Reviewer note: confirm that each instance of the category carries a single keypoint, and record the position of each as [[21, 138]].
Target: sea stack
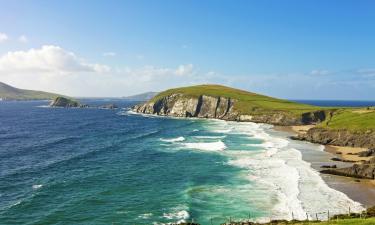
[[64, 102]]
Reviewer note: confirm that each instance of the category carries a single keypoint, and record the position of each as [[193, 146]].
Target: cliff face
[[181, 106], [204, 106], [340, 137]]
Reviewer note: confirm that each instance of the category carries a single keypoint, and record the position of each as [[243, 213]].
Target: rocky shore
[[179, 105], [339, 137], [204, 106], [63, 102]]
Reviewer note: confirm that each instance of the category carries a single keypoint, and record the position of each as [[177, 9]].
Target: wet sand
[[360, 190]]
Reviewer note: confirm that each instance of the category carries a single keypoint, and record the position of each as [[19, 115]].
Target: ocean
[[97, 166]]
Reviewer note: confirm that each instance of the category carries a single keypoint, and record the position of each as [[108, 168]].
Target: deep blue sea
[[97, 166]]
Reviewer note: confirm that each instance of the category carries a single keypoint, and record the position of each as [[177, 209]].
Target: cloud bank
[[53, 68], [48, 58]]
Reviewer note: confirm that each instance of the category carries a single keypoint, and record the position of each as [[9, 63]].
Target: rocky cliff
[[204, 106], [342, 137]]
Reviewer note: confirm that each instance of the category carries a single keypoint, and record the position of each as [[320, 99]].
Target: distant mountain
[[8, 92], [142, 97]]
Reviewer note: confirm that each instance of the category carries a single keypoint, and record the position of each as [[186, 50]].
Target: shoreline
[[360, 190]]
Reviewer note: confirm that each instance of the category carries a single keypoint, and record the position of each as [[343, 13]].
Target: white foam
[[171, 140], [292, 185], [210, 137], [145, 215], [183, 214], [37, 186], [206, 146]]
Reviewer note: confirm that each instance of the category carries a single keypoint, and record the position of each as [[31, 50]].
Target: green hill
[[247, 102], [8, 92], [221, 102], [209, 101]]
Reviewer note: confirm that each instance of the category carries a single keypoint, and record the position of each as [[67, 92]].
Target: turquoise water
[[94, 166]]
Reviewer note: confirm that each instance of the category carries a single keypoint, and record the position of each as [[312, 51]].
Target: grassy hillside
[[142, 97], [355, 119], [8, 92], [248, 102]]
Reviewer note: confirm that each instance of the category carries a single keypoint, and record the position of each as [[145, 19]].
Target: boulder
[[109, 106]]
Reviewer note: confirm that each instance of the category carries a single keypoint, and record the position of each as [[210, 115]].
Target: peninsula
[[8, 92], [351, 127]]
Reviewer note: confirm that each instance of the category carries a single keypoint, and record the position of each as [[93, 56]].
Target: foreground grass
[[369, 221], [354, 221]]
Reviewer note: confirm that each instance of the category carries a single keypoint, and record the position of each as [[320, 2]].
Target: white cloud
[[184, 69], [3, 37], [109, 54], [23, 39], [319, 72], [48, 58]]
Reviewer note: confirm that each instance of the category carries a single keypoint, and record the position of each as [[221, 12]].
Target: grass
[[247, 102], [369, 221], [353, 221], [353, 119], [8, 92]]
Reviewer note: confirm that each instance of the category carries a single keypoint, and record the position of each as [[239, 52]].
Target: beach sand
[[343, 152], [361, 190]]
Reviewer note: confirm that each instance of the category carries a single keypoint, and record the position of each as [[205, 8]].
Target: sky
[[289, 49]]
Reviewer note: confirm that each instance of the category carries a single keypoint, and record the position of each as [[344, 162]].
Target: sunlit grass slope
[[247, 102]]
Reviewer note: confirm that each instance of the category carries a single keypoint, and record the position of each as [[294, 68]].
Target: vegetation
[[351, 221], [354, 119], [360, 120], [8, 92], [247, 102]]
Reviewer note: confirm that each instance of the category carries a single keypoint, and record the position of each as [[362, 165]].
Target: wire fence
[[313, 217]]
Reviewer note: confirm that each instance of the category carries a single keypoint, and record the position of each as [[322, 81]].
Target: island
[[348, 127], [65, 102]]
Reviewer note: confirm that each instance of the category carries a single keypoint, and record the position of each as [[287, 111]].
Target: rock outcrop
[[109, 106], [179, 105], [365, 170], [65, 102], [182, 106], [339, 137]]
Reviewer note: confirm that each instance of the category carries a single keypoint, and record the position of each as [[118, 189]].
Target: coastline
[[360, 190]]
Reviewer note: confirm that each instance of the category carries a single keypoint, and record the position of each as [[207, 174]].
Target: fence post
[[316, 216], [292, 216], [211, 221], [328, 215], [307, 216], [349, 210]]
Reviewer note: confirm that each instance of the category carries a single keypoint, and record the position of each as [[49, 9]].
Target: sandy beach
[[361, 190], [343, 152]]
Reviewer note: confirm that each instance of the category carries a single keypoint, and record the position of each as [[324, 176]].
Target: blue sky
[[288, 49]]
